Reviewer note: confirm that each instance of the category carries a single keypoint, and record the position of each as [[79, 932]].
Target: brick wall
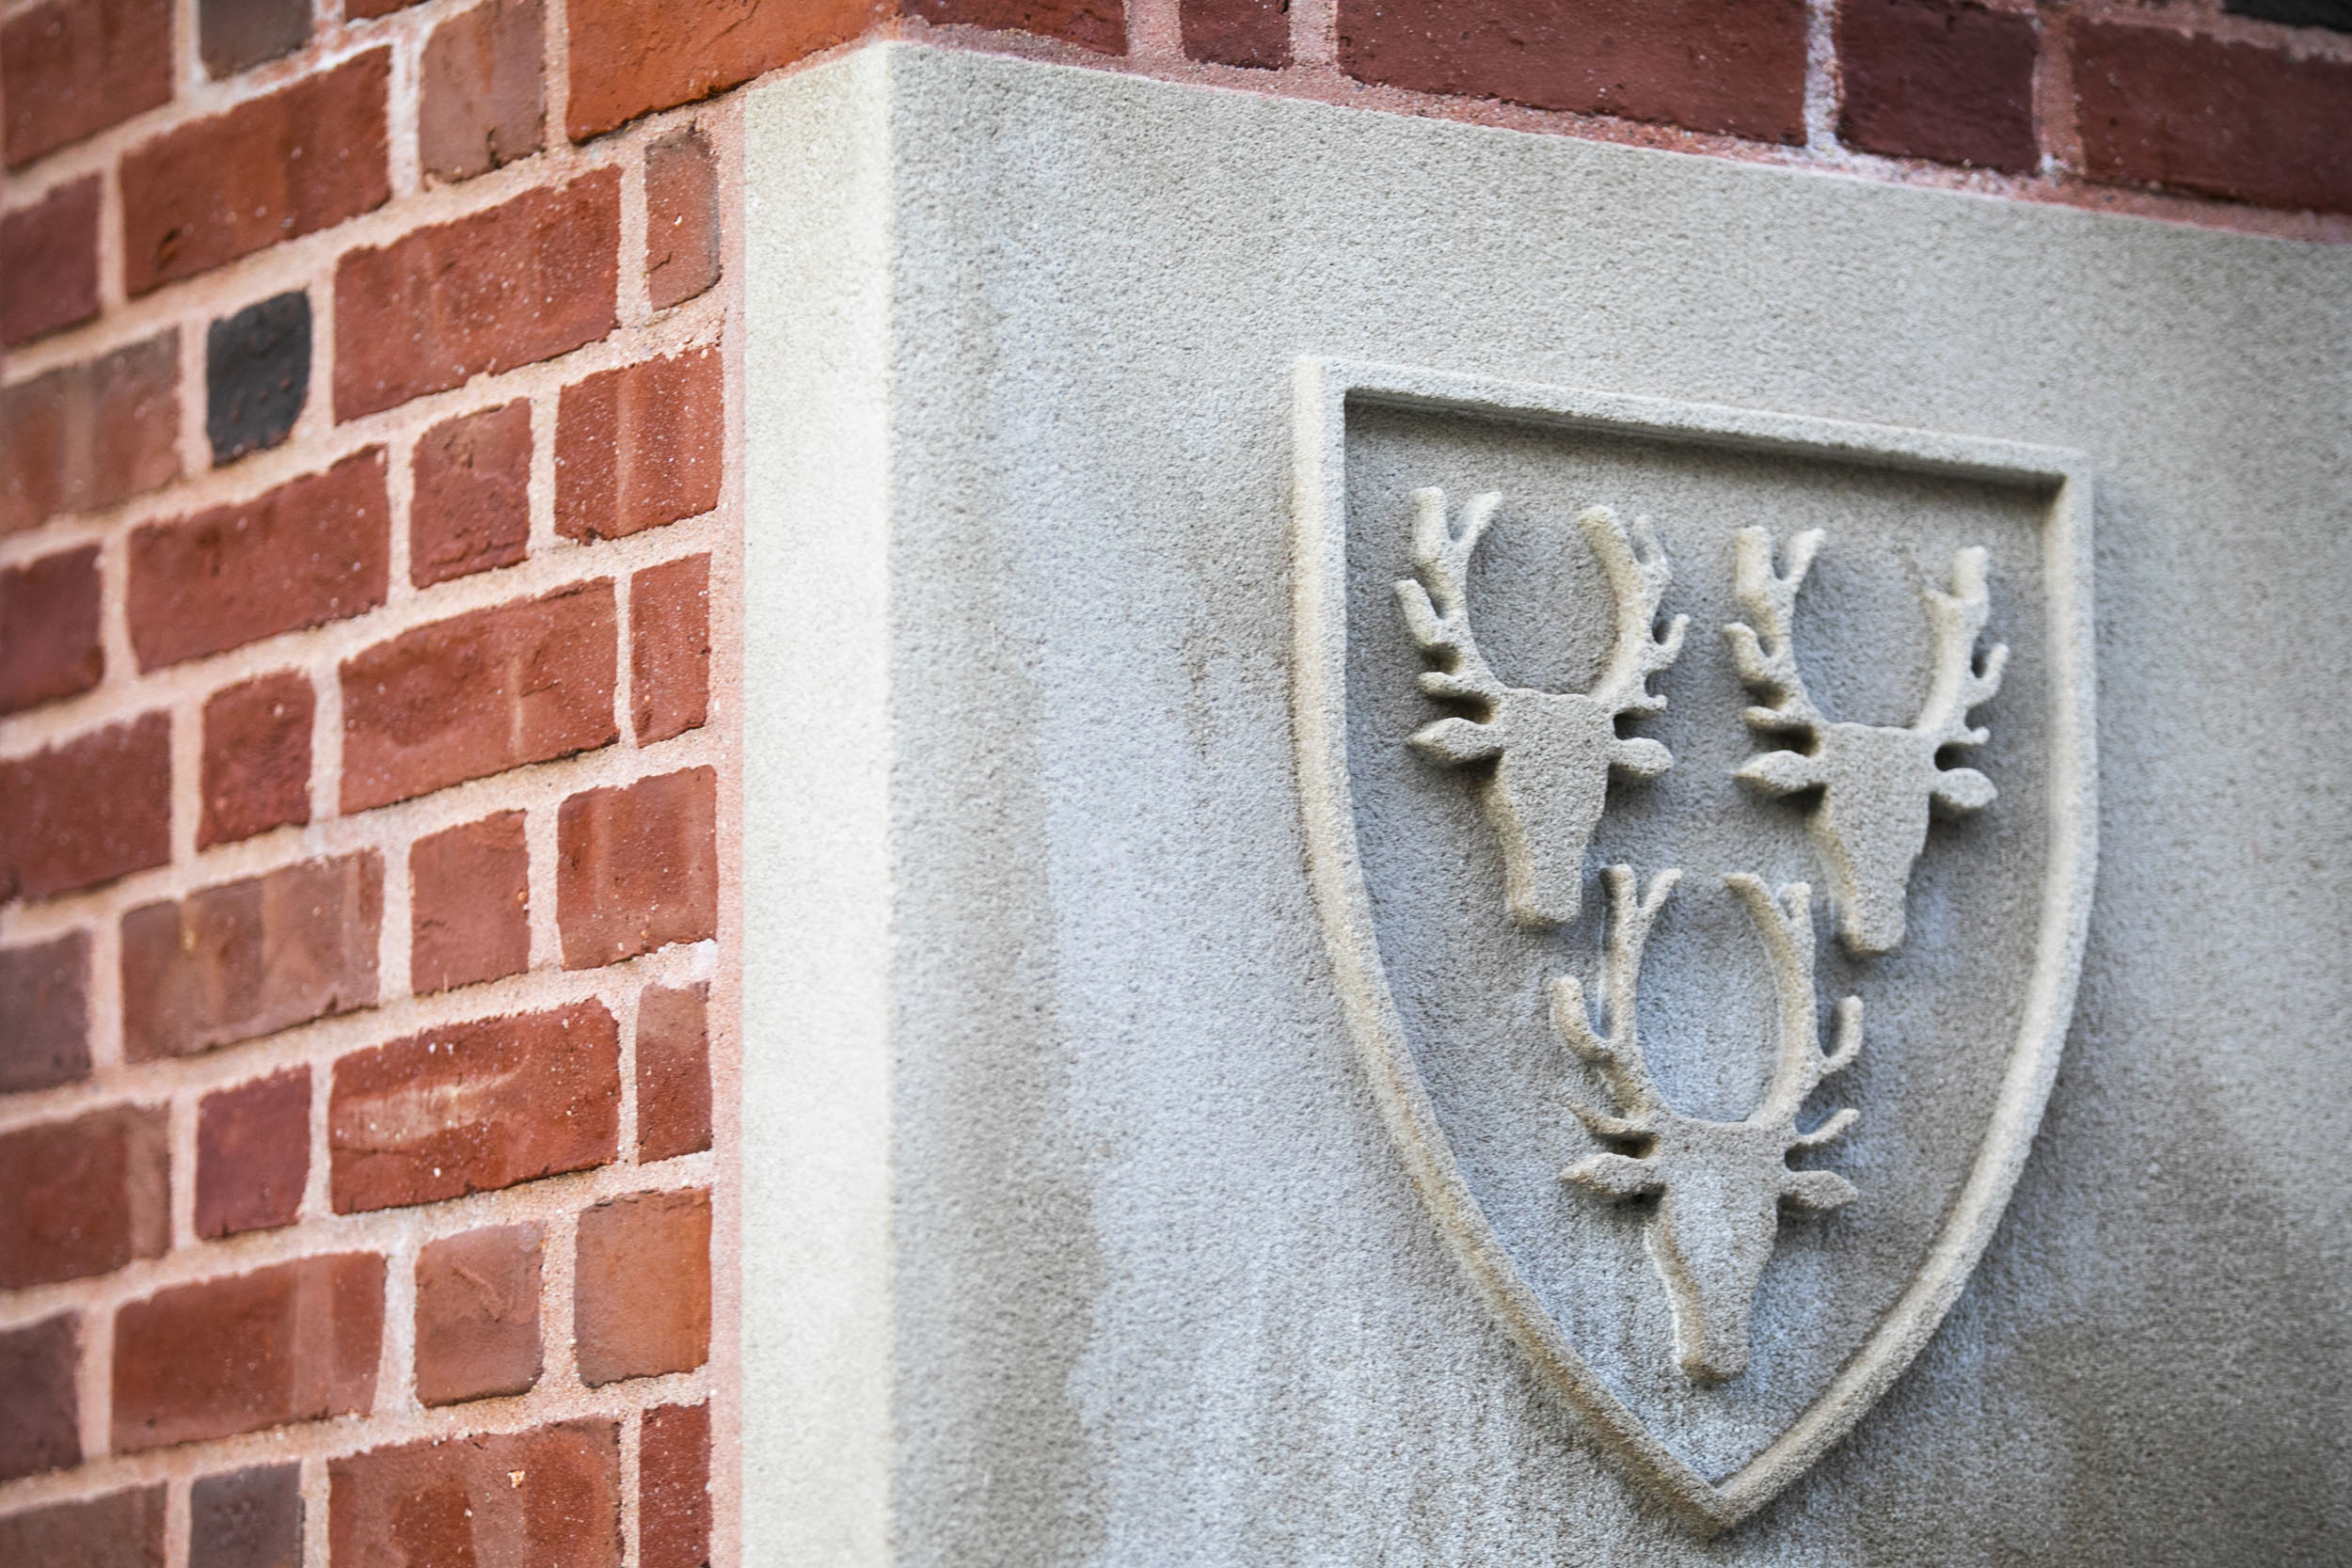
[[367, 550]]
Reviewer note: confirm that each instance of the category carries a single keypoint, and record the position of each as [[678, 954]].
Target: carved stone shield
[[1700, 804]]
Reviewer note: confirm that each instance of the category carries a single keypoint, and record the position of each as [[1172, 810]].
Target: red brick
[[1941, 79], [2240, 120], [672, 1071], [253, 1154], [87, 810], [469, 904], [641, 446], [44, 995], [88, 436], [49, 645], [478, 1315], [40, 1424], [257, 757], [629, 57], [121, 1530], [478, 694], [682, 218], [472, 505], [509, 286], [641, 1287], [295, 1342], [1238, 32], [525, 1499], [474, 1107], [49, 263], [75, 67], [85, 1197], [1097, 25], [237, 35], [674, 1487], [252, 957], [357, 9], [483, 100], [1733, 66], [250, 1518], [637, 867], [315, 550], [276, 167], [669, 621]]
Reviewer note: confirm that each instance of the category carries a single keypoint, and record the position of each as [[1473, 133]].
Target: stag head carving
[[1552, 751], [1876, 781], [1718, 1184]]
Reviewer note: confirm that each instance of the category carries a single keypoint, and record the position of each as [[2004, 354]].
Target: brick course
[[85, 1197], [49, 645], [515, 1500], [40, 1422], [469, 904], [672, 1071], [674, 1487], [253, 1154], [641, 1287], [682, 218], [248, 1518], [90, 435], [74, 67], [478, 1315], [637, 867], [44, 995], [87, 810], [1940, 79], [1253, 33], [641, 446], [123, 1530], [49, 263], [483, 102], [669, 622], [472, 490], [257, 757]]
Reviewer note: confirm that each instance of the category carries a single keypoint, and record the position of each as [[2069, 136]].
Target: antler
[[1618, 1054], [1638, 577], [1770, 598], [1787, 928], [1438, 615], [1960, 683]]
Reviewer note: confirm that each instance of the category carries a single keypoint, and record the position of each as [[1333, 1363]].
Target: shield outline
[[1322, 388]]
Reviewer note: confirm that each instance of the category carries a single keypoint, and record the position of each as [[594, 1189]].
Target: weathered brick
[[471, 509], [295, 1342], [234, 35], [49, 263], [641, 446], [251, 956], [672, 1071], [1941, 79], [75, 67], [1238, 32], [49, 645], [257, 373], [674, 1487], [250, 1518], [40, 1424], [476, 1106], [482, 101], [276, 167], [253, 1154], [87, 810], [641, 1287], [44, 995], [124, 1530], [257, 757], [469, 904], [87, 436], [315, 550], [669, 630], [358, 9], [2241, 121], [526, 1499], [478, 694], [682, 218], [2335, 14], [637, 867], [1732, 66], [85, 1197], [629, 57], [478, 1315], [520, 284], [1097, 25]]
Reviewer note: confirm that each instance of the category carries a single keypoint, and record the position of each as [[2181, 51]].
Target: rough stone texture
[[669, 629], [515, 1500], [49, 263], [471, 505], [478, 693], [49, 644], [682, 218], [44, 995], [672, 1071], [674, 1487], [641, 446], [484, 105], [1254, 33], [469, 904], [641, 1287], [637, 867], [257, 757], [90, 435], [478, 1315], [85, 1197], [247, 1519], [123, 1530], [316, 548], [257, 371], [475, 1106], [87, 810], [40, 1424], [251, 956], [74, 67], [295, 1342], [232, 34], [1940, 79], [253, 1154]]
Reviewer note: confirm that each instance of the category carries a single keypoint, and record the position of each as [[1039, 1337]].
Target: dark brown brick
[[257, 757], [257, 375], [40, 1423], [75, 67], [674, 1487], [512, 286], [234, 35], [1238, 32], [252, 957], [629, 57], [472, 505], [44, 995], [637, 867], [669, 631], [85, 1197], [641, 1287], [482, 101], [478, 1315], [469, 904], [253, 1154], [478, 694], [525, 1499], [49, 645], [682, 218], [641, 446], [295, 1342], [248, 1518], [87, 810], [1097, 25], [474, 1107], [672, 1071], [49, 263], [124, 1530], [1939, 79], [91, 434]]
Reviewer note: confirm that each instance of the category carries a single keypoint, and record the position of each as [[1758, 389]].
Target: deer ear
[[1818, 1189], [1962, 790], [1779, 772], [1640, 758], [1457, 741], [1614, 1175]]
